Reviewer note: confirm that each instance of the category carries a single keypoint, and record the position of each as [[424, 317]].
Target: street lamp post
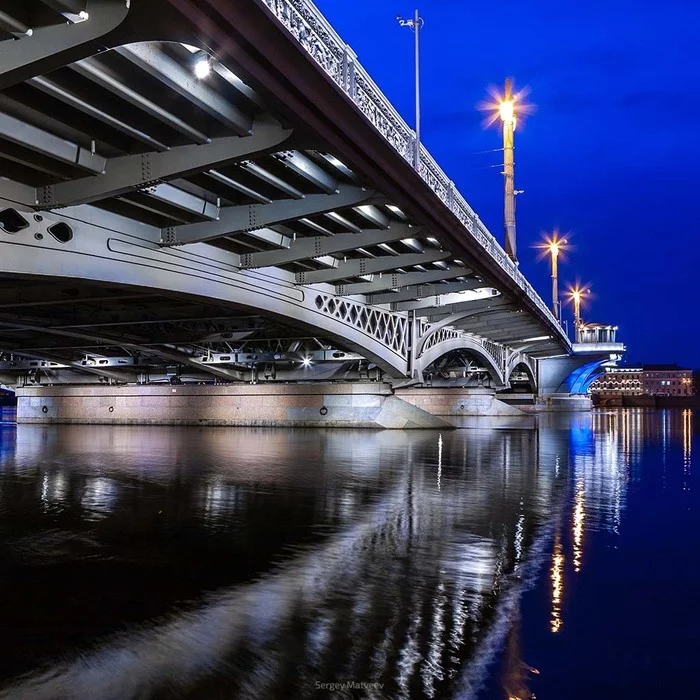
[[507, 113], [553, 247], [576, 294], [416, 25]]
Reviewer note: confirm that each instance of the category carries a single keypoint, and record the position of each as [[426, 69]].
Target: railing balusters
[[314, 33]]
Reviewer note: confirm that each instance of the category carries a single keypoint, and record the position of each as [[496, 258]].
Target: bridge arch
[[471, 344], [579, 381], [100, 252], [526, 364]]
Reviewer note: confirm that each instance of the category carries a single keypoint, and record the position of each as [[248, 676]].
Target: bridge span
[[225, 195]]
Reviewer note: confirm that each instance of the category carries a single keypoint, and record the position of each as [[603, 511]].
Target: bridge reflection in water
[[145, 562]]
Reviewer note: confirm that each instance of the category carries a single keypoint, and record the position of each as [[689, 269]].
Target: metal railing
[[311, 29]]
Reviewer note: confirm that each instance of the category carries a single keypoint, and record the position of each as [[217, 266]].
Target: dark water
[[558, 558]]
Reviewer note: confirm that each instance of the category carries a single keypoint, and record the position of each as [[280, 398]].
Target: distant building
[[649, 380], [668, 380], [619, 381]]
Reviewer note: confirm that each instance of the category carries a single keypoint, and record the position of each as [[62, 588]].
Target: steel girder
[[43, 142], [424, 291], [171, 355], [101, 253], [178, 78], [305, 248], [437, 313], [307, 169], [53, 46], [398, 280], [102, 75], [439, 301], [254, 216], [367, 266], [129, 173], [50, 87]]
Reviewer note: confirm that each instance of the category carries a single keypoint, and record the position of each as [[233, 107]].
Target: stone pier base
[[448, 401], [370, 405]]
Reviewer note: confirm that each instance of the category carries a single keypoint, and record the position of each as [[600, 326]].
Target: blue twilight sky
[[611, 154]]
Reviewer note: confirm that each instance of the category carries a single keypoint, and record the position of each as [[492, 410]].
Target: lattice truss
[[388, 328]]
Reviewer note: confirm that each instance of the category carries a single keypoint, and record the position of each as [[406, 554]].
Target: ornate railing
[[311, 29]]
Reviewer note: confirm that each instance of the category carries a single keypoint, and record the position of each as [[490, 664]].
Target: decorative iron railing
[[311, 29]]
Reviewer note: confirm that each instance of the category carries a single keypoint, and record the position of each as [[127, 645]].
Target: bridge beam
[[43, 142], [101, 74], [53, 46], [509, 334], [489, 320], [423, 291], [176, 77], [438, 301], [399, 280], [367, 266], [306, 248], [254, 216], [170, 354], [310, 171], [128, 173], [437, 313]]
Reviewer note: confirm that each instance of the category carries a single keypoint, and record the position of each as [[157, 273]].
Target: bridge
[[226, 196]]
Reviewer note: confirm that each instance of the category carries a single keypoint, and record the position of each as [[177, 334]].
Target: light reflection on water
[[162, 562]]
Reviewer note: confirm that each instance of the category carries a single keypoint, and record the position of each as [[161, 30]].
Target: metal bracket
[[168, 236]]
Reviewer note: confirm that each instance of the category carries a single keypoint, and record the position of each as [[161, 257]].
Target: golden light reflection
[[687, 445], [578, 524], [557, 579]]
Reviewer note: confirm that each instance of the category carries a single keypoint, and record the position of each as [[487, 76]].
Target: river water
[[556, 556]]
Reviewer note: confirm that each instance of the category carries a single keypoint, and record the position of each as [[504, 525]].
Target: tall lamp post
[[506, 111], [416, 24], [553, 246], [576, 294]]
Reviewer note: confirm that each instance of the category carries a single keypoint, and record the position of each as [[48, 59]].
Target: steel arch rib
[[463, 343], [101, 255]]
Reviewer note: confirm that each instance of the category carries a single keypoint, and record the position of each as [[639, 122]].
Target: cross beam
[[305, 248], [438, 312], [48, 144], [171, 355], [102, 75], [245, 218], [310, 171], [423, 291], [132, 172], [53, 46], [398, 280], [487, 318], [176, 77], [367, 266], [438, 301]]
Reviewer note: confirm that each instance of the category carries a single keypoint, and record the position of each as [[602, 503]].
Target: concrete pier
[[448, 401], [359, 405]]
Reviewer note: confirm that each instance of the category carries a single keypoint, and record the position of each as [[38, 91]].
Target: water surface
[[555, 556]]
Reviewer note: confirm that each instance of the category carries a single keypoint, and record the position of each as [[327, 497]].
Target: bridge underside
[[248, 226]]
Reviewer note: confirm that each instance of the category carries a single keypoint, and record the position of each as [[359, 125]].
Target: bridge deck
[[285, 170]]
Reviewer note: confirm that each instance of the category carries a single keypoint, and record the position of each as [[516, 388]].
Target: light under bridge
[[265, 222]]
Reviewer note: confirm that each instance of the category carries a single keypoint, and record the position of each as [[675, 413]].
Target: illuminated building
[[619, 381], [668, 380], [649, 380]]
